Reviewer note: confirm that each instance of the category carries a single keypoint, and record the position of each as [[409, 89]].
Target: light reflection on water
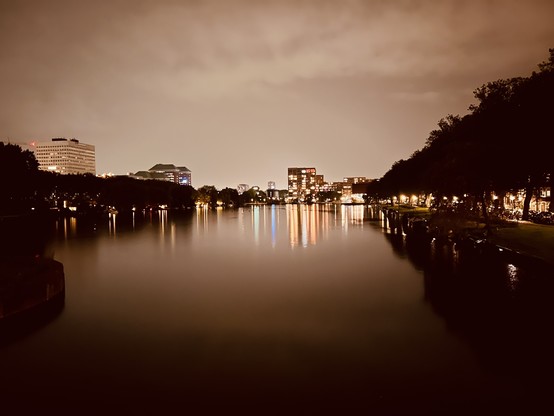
[[302, 307], [306, 224], [513, 276]]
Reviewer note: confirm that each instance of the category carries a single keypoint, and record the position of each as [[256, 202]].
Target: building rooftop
[[168, 167], [144, 174]]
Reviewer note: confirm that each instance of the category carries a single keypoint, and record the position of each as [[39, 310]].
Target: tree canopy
[[18, 174], [504, 143]]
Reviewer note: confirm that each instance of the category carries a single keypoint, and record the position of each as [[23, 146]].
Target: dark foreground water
[[280, 310]]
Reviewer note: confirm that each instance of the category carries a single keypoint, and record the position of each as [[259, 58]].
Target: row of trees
[[505, 144], [24, 187]]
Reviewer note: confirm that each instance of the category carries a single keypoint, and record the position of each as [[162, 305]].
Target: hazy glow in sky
[[238, 91]]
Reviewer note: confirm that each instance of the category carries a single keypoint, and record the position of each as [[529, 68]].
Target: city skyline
[[240, 92]]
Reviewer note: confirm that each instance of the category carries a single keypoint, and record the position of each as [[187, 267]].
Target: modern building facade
[[166, 172], [65, 156], [301, 183]]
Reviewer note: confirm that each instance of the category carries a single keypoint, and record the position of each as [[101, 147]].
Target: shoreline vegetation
[[479, 175]]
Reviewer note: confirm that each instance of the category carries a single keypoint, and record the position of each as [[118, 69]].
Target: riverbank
[[29, 276], [527, 238], [27, 283], [524, 238]]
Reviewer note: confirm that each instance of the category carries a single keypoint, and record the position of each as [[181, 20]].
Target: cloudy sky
[[238, 91]]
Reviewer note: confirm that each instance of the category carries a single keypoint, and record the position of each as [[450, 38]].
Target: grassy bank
[[407, 209], [535, 240]]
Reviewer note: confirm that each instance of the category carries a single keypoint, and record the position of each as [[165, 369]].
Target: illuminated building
[[348, 182], [166, 172], [242, 188], [319, 183], [301, 183], [355, 179], [65, 156], [272, 192]]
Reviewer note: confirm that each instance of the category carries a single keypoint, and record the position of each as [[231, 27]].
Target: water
[[279, 310]]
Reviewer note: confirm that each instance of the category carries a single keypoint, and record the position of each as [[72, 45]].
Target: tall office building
[[65, 156], [302, 182]]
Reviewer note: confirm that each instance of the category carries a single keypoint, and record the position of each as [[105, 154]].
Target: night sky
[[238, 91]]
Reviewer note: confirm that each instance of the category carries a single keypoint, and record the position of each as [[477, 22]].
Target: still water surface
[[289, 310]]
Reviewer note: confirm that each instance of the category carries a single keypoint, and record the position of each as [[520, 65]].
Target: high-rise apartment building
[[302, 182], [65, 156], [355, 179], [349, 182]]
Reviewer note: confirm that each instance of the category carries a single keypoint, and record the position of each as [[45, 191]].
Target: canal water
[[280, 310]]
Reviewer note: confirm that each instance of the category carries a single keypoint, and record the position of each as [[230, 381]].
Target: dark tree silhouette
[[207, 195], [504, 144], [18, 173], [229, 197], [182, 196]]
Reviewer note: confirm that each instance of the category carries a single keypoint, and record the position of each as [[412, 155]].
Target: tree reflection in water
[[32, 286], [502, 310]]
